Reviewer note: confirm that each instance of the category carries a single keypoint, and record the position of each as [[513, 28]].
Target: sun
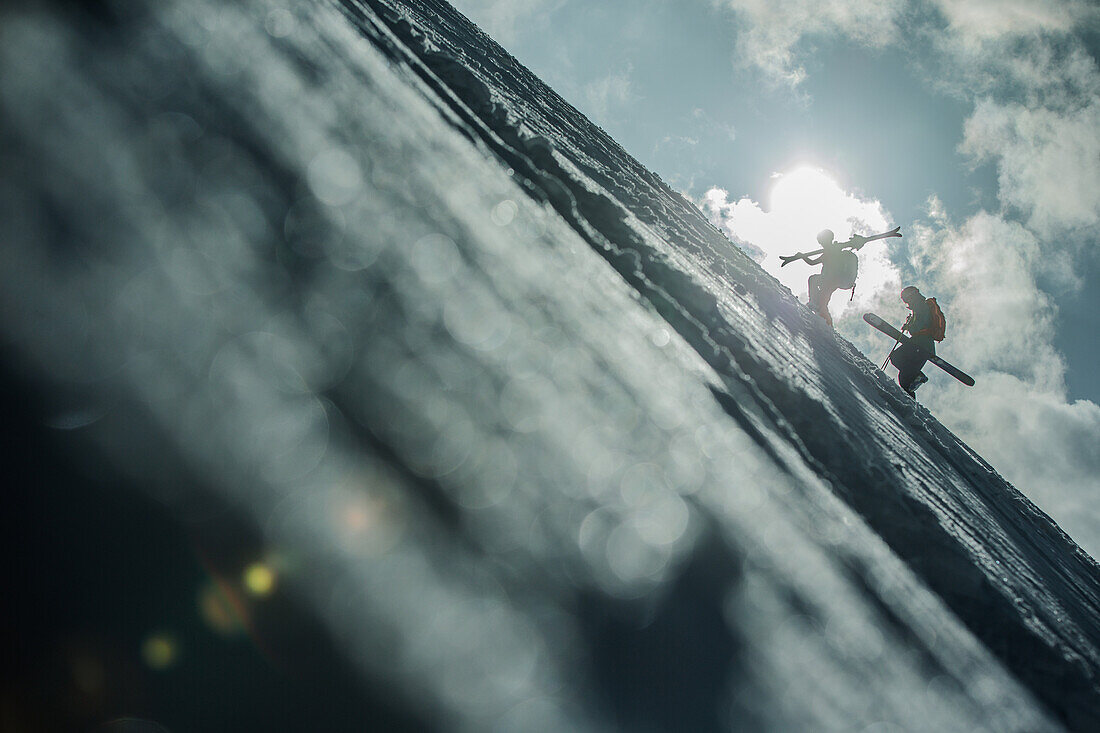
[[800, 203], [810, 200]]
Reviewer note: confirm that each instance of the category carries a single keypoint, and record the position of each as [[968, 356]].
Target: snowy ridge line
[[489, 74], [1037, 646]]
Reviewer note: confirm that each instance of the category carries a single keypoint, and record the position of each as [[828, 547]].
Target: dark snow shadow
[[671, 664]]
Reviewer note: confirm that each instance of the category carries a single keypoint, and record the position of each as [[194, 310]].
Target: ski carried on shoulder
[[856, 243], [893, 333]]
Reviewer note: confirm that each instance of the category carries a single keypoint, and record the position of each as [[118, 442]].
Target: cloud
[[983, 272], [769, 30], [1036, 86], [675, 141], [1000, 18], [1048, 162], [803, 202], [1036, 94]]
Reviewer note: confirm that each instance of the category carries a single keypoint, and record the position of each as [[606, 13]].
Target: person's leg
[[813, 292], [908, 361], [818, 297], [825, 294], [916, 358]]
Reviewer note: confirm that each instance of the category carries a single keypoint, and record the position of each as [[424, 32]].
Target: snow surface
[[541, 448]]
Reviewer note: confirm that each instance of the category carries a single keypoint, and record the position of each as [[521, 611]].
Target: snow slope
[[534, 441]]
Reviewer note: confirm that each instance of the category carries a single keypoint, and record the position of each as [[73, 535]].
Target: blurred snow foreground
[[533, 441]]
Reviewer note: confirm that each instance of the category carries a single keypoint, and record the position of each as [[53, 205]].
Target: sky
[[972, 124]]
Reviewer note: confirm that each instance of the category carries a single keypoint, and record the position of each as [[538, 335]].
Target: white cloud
[[675, 141], [999, 18], [709, 124], [999, 319], [1036, 91], [1048, 162], [803, 202], [1040, 112], [1041, 68], [769, 30]]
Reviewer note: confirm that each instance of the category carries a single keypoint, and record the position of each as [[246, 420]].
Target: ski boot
[[911, 388]]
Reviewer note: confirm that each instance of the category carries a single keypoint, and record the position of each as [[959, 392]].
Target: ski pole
[[896, 345], [887, 359]]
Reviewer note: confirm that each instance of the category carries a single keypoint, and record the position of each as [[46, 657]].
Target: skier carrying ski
[[839, 266], [838, 270], [926, 325]]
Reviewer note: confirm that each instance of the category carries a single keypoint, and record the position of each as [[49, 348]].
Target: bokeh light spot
[[660, 338], [279, 23], [436, 258], [366, 525], [160, 651], [504, 212], [335, 177], [259, 579]]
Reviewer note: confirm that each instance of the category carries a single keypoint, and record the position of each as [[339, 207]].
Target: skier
[[839, 266], [926, 325], [838, 271]]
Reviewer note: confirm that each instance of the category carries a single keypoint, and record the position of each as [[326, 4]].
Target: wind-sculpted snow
[[536, 444]]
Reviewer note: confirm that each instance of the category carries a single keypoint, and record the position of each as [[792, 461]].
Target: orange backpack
[[938, 329]]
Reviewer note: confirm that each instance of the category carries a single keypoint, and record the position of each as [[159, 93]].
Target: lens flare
[[160, 651], [259, 579], [217, 610]]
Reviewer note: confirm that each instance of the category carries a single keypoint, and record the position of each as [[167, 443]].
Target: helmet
[[910, 291], [824, 237]]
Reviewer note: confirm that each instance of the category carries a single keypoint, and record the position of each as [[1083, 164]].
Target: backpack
[[841, 270], [938, 329]]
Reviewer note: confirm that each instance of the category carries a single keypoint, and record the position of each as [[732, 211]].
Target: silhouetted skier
[[926, 325], [839, 267]]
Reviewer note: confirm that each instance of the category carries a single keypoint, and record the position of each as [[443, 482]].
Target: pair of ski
[[897, 335], [856, 242]]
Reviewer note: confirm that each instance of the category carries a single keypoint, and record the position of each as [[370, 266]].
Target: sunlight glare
[[801, 203], [808, 198]]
